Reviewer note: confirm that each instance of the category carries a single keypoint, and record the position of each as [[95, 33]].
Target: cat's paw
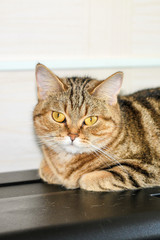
[[98, 181]]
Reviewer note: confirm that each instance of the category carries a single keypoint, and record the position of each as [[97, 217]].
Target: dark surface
[[30, 209], [21, 177]]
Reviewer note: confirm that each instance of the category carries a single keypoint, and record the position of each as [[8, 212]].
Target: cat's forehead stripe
[[77, 86]]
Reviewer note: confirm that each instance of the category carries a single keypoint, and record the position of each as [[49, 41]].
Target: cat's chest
[[69, 169]]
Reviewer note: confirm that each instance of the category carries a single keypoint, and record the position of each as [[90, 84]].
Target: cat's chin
[[74, 149], [77, 147]]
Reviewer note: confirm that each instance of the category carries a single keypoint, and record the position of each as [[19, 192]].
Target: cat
[[94, 139]]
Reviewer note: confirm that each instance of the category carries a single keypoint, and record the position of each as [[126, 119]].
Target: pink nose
[[73, 136]]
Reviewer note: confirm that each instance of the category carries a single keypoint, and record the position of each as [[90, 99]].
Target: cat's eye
[[90, 120], [58, 117]]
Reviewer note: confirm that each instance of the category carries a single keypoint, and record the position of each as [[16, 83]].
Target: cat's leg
[[106, 181], [46, 174], [131, 174], [98, 181]]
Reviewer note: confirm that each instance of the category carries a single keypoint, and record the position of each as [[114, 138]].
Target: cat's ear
[[108, 89], [47, 82]]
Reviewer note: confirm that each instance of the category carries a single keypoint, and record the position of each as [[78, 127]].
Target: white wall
[[51, 30]]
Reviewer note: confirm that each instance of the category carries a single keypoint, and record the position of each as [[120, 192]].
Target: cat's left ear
[[47, 82], [109, 88]]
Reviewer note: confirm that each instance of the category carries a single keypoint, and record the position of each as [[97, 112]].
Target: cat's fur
[[120, 151]]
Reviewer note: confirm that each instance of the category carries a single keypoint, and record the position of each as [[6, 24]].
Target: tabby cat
[[93, 139]]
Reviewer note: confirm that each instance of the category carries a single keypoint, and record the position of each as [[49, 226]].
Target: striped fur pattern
[[120, 151]]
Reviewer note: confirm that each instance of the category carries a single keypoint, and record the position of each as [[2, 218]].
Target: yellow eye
[[90, 121], [58, 117]]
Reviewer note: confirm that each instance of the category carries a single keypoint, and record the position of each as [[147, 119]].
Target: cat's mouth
[[74, 147], [67, 145]]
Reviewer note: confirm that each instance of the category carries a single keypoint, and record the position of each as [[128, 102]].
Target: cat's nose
[[73, 136]]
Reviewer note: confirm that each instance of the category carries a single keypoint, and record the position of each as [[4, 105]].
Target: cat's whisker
[[109, 157], [50, 137], [99, 156], [115, 160], [39, 142], [46, 140]]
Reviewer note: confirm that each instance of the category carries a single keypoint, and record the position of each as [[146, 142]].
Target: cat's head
[[76, 115]]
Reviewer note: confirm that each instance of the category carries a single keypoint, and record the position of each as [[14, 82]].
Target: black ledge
[[31, 209]]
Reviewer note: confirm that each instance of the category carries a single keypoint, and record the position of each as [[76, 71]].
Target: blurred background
[[72, 37]]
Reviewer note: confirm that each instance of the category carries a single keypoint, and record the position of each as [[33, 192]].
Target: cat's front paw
[[98, 181]]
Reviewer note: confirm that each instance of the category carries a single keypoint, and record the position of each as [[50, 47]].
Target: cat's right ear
[[109, 88], [47, 82]]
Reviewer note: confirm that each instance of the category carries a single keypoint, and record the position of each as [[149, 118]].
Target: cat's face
[[73, 115]]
